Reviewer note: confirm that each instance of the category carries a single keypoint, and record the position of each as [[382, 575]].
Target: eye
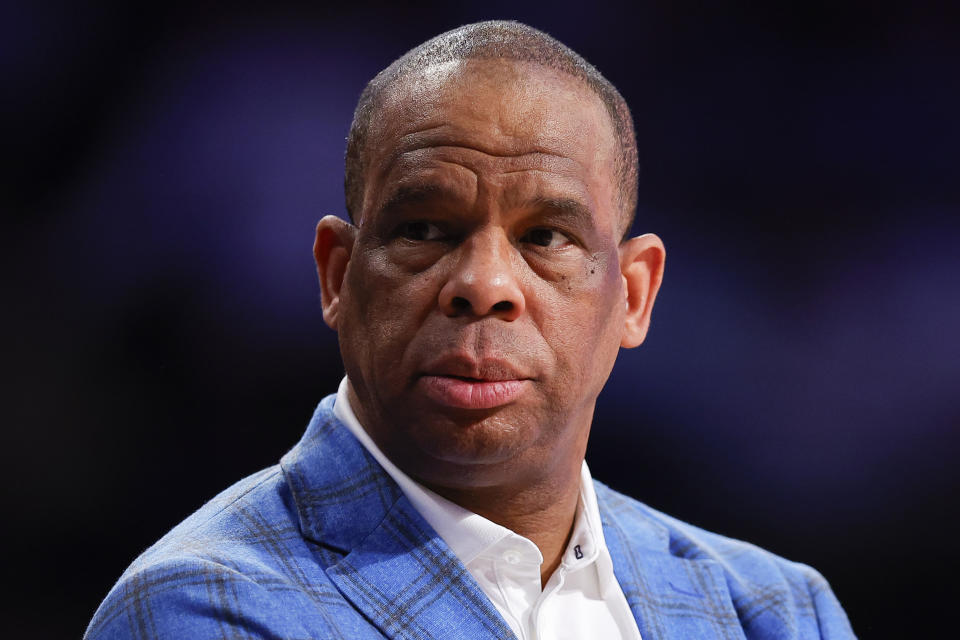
[[419, 231], [544, 237]]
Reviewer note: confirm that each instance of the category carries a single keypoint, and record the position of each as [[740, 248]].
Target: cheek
[[583, 323], [385, 305]]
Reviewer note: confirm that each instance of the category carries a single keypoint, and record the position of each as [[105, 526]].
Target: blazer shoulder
[[223, 565], [189, 597], [231, 524], [752, 574], [690, 541]]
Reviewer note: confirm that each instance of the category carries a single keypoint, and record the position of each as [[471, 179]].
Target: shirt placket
[[518, 579]]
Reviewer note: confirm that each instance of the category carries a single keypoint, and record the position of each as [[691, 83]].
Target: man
[[481, 296]]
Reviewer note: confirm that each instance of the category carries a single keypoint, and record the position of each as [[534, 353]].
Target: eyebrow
[[409, 195], [569, 209]]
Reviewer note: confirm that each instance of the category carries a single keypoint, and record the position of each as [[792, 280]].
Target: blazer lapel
[[397, 570], [404, 577], [671, 596]]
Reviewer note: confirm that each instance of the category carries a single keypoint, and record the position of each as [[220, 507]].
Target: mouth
[[461, 392], [465, 383]]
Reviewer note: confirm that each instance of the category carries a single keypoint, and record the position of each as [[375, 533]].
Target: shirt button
[[511, 556]]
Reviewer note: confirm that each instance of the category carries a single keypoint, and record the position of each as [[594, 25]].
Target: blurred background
[[165, 165]]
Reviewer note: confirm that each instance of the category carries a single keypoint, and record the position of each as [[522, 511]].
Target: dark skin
[[484, 295]]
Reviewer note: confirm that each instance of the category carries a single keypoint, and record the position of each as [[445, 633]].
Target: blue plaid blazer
[[325, 545]]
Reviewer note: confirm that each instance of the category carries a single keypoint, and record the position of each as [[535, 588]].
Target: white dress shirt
[[582, 598]]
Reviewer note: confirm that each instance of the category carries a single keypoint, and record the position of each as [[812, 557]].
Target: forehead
[[524, 100], [513, 115]]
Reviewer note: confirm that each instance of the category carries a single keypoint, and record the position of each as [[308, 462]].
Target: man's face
[[482, 305]]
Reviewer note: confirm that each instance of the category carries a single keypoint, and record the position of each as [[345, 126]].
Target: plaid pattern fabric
[[325, 545]]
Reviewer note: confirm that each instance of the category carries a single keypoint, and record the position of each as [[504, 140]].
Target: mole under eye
[[419, 231], [543, 237]]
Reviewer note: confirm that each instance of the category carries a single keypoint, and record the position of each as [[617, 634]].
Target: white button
[[511, 556]]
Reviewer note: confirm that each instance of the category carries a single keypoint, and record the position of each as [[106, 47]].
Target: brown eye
[[419, 231], [548, 238]]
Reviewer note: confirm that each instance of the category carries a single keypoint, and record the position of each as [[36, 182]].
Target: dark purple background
[[163, 338]]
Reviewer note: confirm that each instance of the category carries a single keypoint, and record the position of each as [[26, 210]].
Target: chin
[[469, 444], [460, 475]]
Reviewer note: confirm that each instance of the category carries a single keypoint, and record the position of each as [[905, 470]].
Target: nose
[[483, 280]]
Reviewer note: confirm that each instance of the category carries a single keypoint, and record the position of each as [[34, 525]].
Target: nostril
[[460, 303], [503, 305]]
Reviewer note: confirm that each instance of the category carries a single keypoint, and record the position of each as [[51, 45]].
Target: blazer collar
[[341, 493], [396, 569]]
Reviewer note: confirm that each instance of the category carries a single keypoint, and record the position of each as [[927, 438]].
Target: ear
[[641, 267], [332, 250]]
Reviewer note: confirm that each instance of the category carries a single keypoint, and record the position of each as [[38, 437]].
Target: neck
[[542, 514], [540, 506]]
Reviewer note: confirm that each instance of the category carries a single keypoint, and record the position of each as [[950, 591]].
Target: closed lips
[[462, 392]]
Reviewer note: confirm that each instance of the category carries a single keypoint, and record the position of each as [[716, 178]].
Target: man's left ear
[[641, 266]]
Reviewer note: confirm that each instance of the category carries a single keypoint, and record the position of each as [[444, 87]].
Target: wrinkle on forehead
[[494, 117], [477, 158], [442, 136], [415, 163], [519, 99], [441, 184]]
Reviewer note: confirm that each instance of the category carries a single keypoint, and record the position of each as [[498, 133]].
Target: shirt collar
[[466, 533]]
